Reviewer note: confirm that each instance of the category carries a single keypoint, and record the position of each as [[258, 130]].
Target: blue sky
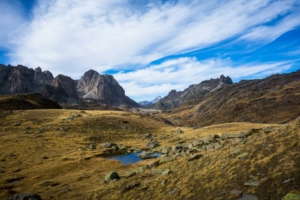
[[153, 46]]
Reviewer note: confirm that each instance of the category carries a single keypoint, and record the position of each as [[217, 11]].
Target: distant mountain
[[275, 99], [149, 103], [193, 92], [62, 89]]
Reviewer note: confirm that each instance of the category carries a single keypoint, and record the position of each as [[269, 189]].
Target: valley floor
[[57, 155]]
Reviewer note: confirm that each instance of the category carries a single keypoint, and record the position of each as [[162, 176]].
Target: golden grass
[[51, 158]]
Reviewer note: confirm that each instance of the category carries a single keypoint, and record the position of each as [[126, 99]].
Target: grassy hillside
[[47, 152]]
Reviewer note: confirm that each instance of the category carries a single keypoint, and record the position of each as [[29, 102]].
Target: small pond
[[130, 158]]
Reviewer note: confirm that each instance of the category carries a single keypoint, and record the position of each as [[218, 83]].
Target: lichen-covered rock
[[166, 159], [291, 196]]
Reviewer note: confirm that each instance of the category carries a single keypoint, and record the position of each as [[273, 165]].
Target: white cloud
[[72, 36], [145, 84], [11, 17]]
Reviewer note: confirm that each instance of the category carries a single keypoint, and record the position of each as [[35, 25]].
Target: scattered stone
[[234, 192], [152, 144], [179, 130], [223, 166], [217, 146], [163, 183], [216, 136], [92, 147], [207, 140], [267, 130], [130, 174], [166, 172], [219, 198], [236, 151], [248, 197], [198, 143], [252, 131], [291, 196], [109, 145], [147, 156], [252, 182], [154, 164], [155, 171], [194, 157], [173, 191], [243, 155], [143, 168], [17, 124], [166, 150], [25, 197], [287, 181], [131, 186], [178, 148], [82, 111], [210, 147], [112, 176], [166, 159], [121, 146]]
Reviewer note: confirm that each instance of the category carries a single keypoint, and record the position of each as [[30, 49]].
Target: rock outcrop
[[104, 88], [193, 92], [20, 79], [101, 89]]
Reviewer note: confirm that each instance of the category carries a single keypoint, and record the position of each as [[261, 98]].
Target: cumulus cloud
[[72, 36], [179, 73]]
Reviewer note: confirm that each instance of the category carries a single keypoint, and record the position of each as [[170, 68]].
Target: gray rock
[[243, 155], [236, 151], [152, 144], [17, 124], [207, 140], [179, 130], [112, 176], [252, 182], [25, 197], [248, 197], [165, 172], [210, 146], [166, 159], [194, 157], [109, 145], [92, 147], [198, 143], [178, 148], [155, 171], [166, 150]]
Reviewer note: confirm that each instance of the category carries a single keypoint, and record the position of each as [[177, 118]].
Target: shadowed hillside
[[275, 99]]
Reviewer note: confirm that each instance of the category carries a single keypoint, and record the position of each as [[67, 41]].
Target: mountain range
[[149, 103], [103, 89]]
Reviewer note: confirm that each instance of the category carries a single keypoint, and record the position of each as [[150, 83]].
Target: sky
[[153, 46]]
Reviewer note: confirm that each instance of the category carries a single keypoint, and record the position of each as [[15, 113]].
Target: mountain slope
[[193, 92], [149, 103], [103, 88], [275, 99], [26, 101]]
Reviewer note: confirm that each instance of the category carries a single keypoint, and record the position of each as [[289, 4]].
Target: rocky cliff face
[[104, 88], [62, 89], [193, 92], [20, 79]]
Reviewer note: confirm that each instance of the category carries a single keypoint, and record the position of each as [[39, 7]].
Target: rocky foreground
[[61, 154]]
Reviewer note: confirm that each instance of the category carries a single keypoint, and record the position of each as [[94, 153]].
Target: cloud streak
[[73, 36], [180, 73]]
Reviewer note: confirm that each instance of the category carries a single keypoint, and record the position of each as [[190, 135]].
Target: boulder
[[152, 144], [166, 159], [112, 176]]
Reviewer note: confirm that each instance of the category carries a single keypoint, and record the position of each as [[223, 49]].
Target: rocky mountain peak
[[225, 79]]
